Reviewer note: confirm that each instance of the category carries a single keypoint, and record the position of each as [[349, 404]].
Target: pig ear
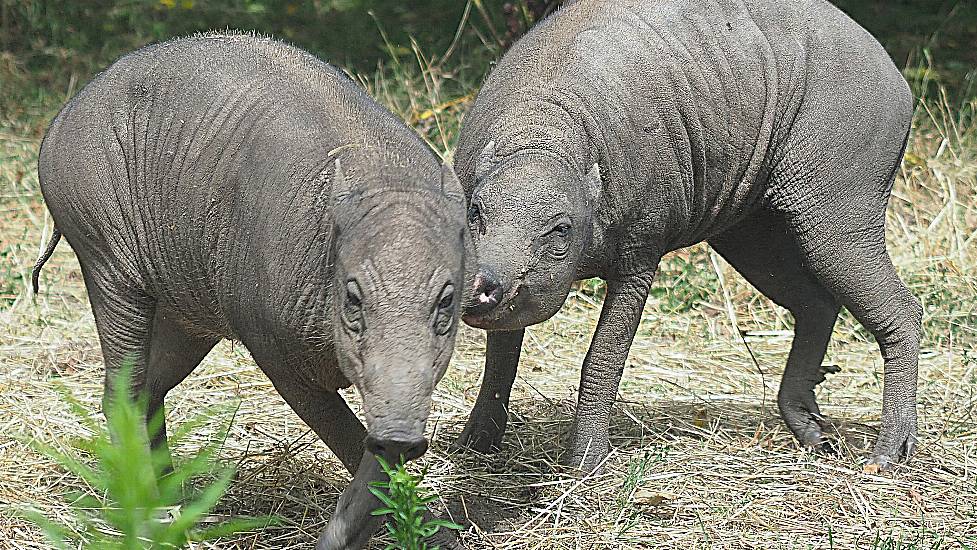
[[595, 185], [341, 197], [451, 185], [486, 161], [341, 191]]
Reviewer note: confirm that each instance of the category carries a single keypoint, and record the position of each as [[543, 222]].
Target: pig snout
[[488, 293], [393, 448]]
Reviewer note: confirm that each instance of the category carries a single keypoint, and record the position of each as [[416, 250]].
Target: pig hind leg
[[124, 320], [763, 251], [133, 330], [833, 200], [831, 179], [843, 243], [173, 354]]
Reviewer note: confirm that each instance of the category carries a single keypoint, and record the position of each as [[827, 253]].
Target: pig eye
[[559, 242], [475, 219], [353, 307], [444, 317]]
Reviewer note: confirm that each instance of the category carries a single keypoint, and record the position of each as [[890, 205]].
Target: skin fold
[[616, 131], [231, 186]]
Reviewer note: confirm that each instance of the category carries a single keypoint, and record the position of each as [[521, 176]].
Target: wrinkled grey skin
[[230, 186], [619, 130]]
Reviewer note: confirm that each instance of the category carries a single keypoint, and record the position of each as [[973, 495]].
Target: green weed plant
[[405, 501], [129, 504]]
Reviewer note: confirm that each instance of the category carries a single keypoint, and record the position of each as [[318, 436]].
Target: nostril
[[488, 291], [374, 446], [395, 449]]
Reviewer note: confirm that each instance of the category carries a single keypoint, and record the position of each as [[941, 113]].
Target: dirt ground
[[700, 457]]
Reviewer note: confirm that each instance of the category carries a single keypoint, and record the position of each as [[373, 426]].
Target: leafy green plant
[[405, 501], [129, 506]]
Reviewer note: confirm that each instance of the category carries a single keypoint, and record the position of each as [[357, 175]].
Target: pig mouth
[[497, 318], [484, 322]]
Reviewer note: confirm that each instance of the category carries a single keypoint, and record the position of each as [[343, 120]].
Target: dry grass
[[700, 459]]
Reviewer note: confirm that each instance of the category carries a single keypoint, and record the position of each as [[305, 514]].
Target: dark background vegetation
[[52, 46]]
